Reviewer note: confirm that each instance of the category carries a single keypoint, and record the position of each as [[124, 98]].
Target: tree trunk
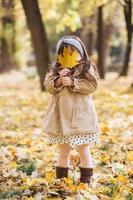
[[5, 64], [90, 43], [128, 20], [7, 19], [107, 34], [100, 42], [13, 41], [87, 33], [38, 36]]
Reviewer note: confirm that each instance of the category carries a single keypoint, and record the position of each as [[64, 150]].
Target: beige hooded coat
[[71, 110]]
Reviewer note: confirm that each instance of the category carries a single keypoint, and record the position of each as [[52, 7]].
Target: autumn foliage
[[27, 169]]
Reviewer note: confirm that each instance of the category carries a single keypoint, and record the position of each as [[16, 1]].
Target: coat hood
[[75, 41], [78, 70]]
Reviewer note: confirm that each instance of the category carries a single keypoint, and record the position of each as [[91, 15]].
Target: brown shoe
[[61, 172], [85, 174]]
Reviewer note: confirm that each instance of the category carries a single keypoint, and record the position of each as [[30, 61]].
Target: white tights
[[84, 153]]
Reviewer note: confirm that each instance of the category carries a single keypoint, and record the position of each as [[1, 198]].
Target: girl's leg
[[64, 151], [86, 166], [85, 156]]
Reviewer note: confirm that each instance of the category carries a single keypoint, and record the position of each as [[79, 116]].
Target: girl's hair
[[84, 60]]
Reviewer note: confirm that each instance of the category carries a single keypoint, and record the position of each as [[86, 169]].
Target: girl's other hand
[[64, 72], [66, 81], [57, 82]]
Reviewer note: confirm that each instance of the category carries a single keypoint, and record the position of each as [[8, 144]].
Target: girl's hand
[[57, 82], [64, 72], [66, 81]]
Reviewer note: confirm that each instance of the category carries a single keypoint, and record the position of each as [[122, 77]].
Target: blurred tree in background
[[38, 36], [7, 35], [29, 31], [127, 7]]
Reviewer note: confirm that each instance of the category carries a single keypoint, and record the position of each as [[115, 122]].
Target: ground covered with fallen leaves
[[27, 163]]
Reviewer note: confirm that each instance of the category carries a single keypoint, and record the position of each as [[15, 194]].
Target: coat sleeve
[[49, 83], [87, 85]]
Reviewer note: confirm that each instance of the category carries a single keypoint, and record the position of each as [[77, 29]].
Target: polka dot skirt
[[74, 140]]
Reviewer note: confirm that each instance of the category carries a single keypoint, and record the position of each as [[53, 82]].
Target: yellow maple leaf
[[68, 181], [105, 127], [12, 164], [121, 180], [68, 59], [50, 175], [30, 198], [129, 156]]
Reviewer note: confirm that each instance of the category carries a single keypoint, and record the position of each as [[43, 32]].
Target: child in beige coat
[[71, 118]]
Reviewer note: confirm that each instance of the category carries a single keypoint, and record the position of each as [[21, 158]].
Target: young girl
[[71, 118]]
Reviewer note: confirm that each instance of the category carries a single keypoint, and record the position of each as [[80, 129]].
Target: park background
[[29, 31]]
